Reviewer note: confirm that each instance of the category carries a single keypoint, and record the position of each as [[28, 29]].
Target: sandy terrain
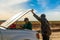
[[54, 36]]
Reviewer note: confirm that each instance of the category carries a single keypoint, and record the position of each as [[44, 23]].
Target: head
[[43, 15], [26, 20]]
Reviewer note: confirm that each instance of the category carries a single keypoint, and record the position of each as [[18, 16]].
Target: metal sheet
[[14, 18]]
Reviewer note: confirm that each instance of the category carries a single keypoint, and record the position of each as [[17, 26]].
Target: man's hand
[[32, 11]]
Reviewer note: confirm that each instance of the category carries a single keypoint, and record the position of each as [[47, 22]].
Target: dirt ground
[[54, 36]]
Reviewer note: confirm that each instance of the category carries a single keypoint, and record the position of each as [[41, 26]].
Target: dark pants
[[45, 37]]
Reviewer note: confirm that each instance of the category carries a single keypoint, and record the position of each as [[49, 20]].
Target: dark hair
[[26, 19], [43, 15]]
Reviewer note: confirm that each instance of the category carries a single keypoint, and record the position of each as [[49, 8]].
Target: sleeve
[[38, 18]]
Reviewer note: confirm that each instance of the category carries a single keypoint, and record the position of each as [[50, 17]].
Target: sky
[[51, 8]]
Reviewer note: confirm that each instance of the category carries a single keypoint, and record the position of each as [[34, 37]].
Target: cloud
[[43, 3], [53, 14], [11, 2], [57, 8], [6, 8], [6, 5], [32, 5], [48, 4]]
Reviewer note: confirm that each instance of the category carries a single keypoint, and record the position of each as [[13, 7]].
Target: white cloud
[[53, 14], [11, 2], [6, 8], [43, 3], [32, 5], [57, 8], [5, 5]]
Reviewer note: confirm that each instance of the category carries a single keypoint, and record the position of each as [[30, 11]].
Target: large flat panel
[[14, 18]]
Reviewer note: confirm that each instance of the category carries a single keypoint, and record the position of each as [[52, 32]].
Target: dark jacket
[[45, 29], [28, 26]]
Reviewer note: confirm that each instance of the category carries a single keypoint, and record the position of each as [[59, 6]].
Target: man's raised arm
[[38, 18]]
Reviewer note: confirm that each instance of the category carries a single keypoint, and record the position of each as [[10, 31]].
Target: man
[[27, 24], [45, 29]]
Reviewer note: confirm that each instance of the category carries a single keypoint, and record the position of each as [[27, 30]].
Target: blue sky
[[40, 5], [49, 7]]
